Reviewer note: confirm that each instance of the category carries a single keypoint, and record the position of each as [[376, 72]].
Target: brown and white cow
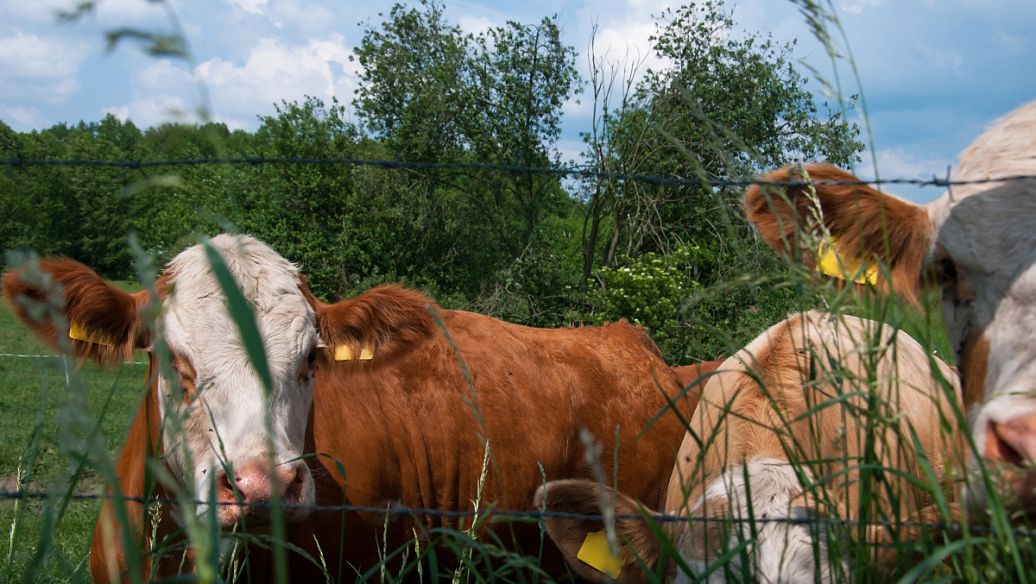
[[394, 398], [781, 433], [978, 244], [693, 378]]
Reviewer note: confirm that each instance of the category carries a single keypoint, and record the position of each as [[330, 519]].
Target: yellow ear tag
[[595, 553], [77, 332], [343, 353], [831, 262]]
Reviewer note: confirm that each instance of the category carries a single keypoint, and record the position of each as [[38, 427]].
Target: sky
[[934, 73]]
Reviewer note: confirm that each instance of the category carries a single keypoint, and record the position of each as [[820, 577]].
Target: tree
[[726, 106], [434, 94]]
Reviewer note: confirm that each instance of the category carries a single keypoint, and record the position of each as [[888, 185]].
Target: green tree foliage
[[433, 93], [725, 106], [509, 242]]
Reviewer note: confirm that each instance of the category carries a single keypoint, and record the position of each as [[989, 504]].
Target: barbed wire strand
[[398, 509], [571, 171]]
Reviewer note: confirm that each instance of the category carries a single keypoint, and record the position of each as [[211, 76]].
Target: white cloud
[[154, 111], [627, 44], [38, 11], [475, 24], [39, 69], [250, 6], [123, 12], [23, 118], [108, 12], [579, 106], [571, 150], [28, 55], [274, 71], [162, 92], [856, 7], [293, 17], [903, 162], [649, 7]]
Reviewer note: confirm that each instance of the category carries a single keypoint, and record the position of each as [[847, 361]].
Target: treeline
[[529, 247]]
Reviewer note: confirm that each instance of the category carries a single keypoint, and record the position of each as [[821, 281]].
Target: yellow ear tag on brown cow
[[77, 332], [343, 353], [831, 262], [595, 553]]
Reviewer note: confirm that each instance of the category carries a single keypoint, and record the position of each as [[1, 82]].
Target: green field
[[54, 421], [42, 419]]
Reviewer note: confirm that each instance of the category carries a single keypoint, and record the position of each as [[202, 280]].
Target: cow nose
[[258, 483], [254, 487], [1013, 441]]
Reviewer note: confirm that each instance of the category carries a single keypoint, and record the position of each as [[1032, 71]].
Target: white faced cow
[[399, 411], [978, 242], [221, 407]]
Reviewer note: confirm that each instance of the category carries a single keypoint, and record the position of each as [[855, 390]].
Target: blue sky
[[934, 72]]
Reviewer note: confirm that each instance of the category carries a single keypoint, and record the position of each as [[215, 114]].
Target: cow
[[693, 378], [976, 244], [378, 401], [779, 444]]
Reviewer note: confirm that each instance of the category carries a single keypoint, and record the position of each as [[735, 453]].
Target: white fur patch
[[781, 551], [226, 424], [987, 230]]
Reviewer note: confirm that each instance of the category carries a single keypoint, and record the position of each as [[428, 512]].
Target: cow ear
[[376, 325], [100, 321], [866, 225], [582, 542]]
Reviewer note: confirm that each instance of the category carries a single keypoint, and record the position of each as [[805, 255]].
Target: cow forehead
[[988, 231], [987, 226], [196, 319]]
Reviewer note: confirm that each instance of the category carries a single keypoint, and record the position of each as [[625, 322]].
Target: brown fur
[[422, 424], [410, 425], [584, 497], [869, 225], [694, 377], [975, 364], [106, 313], [737, 420], [107, 552]]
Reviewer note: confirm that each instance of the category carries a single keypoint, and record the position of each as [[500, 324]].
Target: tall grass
[[68, 440], [63, 425]]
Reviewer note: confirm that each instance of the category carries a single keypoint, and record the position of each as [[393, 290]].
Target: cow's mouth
[[252, 507]]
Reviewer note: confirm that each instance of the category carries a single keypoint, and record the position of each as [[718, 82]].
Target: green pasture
[[40, 416]]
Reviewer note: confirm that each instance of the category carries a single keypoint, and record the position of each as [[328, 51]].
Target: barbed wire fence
[[397, 509], [573, 171]]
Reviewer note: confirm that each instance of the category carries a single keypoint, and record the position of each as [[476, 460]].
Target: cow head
[[214, 408], [977, 242]]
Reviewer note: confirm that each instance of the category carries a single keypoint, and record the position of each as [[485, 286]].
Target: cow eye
[[946, 271], [311, 359]]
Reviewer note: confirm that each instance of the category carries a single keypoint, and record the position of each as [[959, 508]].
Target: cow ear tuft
[[68, 306], [376, 325], [573, 535], [808, 208]]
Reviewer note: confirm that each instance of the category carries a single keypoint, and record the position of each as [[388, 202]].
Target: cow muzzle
[[1010, 446], [247, 493]]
